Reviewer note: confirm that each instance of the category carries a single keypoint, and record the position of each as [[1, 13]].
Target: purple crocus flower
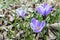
[[44, 9], [20, 12], [36, 25]]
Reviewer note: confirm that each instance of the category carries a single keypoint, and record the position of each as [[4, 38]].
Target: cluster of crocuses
[[43, 10]]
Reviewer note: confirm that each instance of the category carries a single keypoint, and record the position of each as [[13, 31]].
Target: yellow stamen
[[37, 28]]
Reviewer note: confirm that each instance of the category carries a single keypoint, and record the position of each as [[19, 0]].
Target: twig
[[55, 25]]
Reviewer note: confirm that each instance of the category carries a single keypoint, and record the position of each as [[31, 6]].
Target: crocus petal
[[33, 23], [17, 11], [20, 12], [40, 10], [38, 24], [33, 20], [42, 25], [36, 31], [48, 9], [44, 5], [32, 26]]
